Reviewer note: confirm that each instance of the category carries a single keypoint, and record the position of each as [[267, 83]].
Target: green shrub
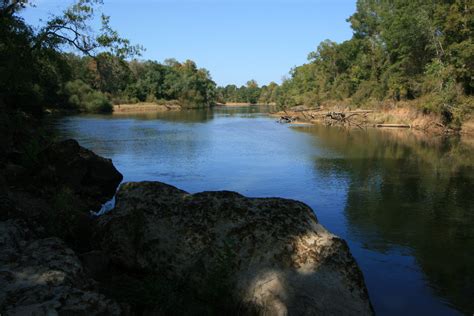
[[83, 98], [97, 102]]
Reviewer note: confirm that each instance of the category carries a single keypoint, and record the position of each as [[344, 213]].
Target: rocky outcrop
[[271, 253], [45, 196], [55, 190], [92, 178], [161, 250], [44, 277]]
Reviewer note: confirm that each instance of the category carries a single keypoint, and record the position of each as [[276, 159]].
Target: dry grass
[[403, 113], [468, 126]]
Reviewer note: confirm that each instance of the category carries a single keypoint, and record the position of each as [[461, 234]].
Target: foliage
[[150, 81], [250, 93], [33, 66], [71, 28], [82, 97], [400, 50], [38, 67]]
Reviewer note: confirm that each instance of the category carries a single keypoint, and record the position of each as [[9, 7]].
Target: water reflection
[[185, 116], [411, 192], [189, 116]]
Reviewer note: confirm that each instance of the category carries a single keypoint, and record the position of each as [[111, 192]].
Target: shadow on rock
[[229, 252]]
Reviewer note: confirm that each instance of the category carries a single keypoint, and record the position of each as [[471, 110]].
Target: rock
[[271, 253], [13, 173], [57, 194], [95, 263], [93, 178], [44, 277]]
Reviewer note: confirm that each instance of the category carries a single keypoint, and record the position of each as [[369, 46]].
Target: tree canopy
[[400, 50], [250, 93], [66, 64]]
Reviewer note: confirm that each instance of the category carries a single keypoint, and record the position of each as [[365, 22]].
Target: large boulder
[[271, 253], [44, 277], [92, 178]]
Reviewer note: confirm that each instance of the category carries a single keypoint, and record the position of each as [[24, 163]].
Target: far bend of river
[[404, 204]]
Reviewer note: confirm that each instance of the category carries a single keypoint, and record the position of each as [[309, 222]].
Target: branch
[[9, 9], [73, 42]]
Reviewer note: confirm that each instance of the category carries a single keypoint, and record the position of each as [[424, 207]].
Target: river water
[[404, 203]]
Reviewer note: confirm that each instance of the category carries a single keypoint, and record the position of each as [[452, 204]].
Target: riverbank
[[146, 107], [236, 104], [240, 104], [156, 256], [387, 117]]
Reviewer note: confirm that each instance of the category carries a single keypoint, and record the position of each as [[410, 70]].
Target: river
[[404, 203]]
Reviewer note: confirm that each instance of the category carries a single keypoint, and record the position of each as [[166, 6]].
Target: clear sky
[[236, 40]]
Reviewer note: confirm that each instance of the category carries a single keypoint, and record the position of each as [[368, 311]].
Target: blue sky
[[235, 40]]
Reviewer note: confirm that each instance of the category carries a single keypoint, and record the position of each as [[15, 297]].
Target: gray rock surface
[[44, 277], [276, 255]]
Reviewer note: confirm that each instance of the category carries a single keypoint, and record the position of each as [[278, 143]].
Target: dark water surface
[[404, 204]]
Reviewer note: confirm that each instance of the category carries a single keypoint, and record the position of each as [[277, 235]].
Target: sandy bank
[[146, 107], [235, 104]]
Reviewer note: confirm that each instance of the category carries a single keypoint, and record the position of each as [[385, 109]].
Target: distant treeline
[[250, 93], [141, 81]]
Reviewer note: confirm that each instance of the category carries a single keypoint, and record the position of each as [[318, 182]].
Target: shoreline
[[142, 107], [240, 104], [385, 119], [234, 104]]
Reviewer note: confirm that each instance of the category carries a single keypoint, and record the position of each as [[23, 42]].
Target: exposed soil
[[146, 107]]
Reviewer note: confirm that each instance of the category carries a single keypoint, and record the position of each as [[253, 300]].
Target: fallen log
[[361, 111], [338, 116], [287, 119], [393, 125]]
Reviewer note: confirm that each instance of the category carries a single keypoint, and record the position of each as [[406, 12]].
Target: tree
[[252, 92], [71, 29], [82, 97], [34, 68], [400, 50]]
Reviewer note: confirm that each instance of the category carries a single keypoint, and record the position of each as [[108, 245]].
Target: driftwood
[[287, 119], [344, 118], [356, 118], [393, 125], [338, 116], [361, 111]]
